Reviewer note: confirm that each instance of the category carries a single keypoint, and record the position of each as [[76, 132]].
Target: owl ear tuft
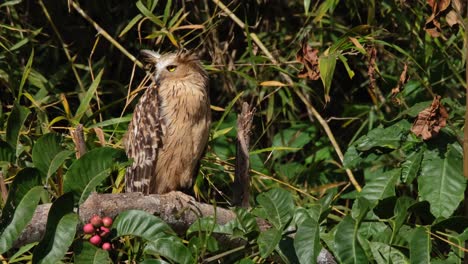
[[149, 56]]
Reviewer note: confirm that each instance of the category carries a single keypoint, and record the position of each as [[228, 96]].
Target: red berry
[[107, 246], [95, 240], [96, 221], [107, 221], [104, 231], [88, 229]]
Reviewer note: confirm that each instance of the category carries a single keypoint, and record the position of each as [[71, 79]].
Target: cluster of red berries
[[99, 229]]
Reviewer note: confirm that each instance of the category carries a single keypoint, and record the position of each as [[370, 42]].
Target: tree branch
[[175, 208]]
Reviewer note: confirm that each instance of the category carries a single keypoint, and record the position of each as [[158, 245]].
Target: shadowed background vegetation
[[377, 64]]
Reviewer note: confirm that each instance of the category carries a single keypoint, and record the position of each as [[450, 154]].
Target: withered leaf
[[308, 56], [452, 18], [439, 8], [401, 82], [430, 120], [372, 51]]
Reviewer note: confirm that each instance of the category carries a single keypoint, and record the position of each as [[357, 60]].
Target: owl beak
[[150, 56]]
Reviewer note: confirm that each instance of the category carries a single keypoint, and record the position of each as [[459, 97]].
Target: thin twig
[[64, 46], [106, 35]]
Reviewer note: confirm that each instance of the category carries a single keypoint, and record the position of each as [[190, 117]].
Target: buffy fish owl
[[170, 125]]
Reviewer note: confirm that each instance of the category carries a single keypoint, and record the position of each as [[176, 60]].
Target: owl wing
[[143, 141]]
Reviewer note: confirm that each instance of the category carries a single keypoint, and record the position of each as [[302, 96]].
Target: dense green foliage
[[59, 70]]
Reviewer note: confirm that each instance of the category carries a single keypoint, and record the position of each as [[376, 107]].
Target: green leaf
[[7, 153], [441, 182], [401, 212], [268, 240], [18, 211], [141, 224], [389, 137], [307, 240], [130, 25], [170, 247], [86, 252], [85, 102], [58, 161], [24, 77], [88, 171], [420, 246], [381, 187], [15, 122], [347, 247], [147, 13], [306, 6], [60, 231], [327, 65], [279, 205], [384, 253], [44, 151], [410, 167], [154, 261]]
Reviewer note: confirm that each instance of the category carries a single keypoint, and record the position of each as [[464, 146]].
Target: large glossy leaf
[[21, 203], [401, 212], [60, 231], [410, 167], [88, 171], [44, 151], [7, 153], [268, 240], [15, 122], [346, 245], [307, 240], [141, 224], [441, 182], [278, 204], [381, 187], [170, 247], [389, 137], [384, 254], [14, 221], [86, 252], [420, 246]]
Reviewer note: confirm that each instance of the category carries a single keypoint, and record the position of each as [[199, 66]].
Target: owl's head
[[178, 66]]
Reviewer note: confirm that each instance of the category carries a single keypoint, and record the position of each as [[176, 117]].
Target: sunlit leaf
[[60, 231], [278, 205], [420, 246], [441, 182], [347, 247]]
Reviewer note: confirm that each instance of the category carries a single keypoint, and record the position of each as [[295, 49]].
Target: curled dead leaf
[[401, 82], [308, 56], [449, 8], [430, 120]]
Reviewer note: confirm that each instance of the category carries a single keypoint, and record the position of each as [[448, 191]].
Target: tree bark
[[175, 208]]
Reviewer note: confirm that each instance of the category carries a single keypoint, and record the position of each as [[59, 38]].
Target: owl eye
[[171, 68]]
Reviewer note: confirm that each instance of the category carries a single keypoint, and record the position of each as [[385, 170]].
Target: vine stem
[[310, 108]]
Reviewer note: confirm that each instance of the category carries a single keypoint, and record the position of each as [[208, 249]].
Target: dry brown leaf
[[452, 18], [449, 8], [308, 56], [430, 120], [432, 26], [401, 82], [371, 70]]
